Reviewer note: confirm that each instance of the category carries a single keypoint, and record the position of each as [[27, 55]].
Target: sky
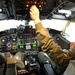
[[53, 24]]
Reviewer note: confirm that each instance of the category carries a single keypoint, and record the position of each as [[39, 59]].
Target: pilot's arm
[[49, 46]]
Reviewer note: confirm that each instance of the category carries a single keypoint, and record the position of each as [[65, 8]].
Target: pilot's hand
[[34, 13], [72, 46]]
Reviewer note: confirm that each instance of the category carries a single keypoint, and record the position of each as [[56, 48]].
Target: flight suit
[[51, 48]]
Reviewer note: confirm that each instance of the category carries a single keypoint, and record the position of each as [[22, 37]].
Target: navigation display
[[28, 46]]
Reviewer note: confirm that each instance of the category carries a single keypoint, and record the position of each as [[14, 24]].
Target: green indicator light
[[21, 46], [34, 45]]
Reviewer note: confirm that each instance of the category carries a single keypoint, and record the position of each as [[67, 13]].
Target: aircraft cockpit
[[20, 53]]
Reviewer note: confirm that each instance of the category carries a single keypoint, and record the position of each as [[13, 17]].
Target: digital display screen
[[34, 45], [28, 46], [21, 46]]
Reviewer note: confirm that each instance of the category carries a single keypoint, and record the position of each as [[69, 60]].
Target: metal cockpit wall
[[66, 5]]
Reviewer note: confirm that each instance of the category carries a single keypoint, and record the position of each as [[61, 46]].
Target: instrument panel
[[22, 6], [22, 38], [19, 43]]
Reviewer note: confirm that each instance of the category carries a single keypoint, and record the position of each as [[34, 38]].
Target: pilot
[[48, 45], [72, 47]]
